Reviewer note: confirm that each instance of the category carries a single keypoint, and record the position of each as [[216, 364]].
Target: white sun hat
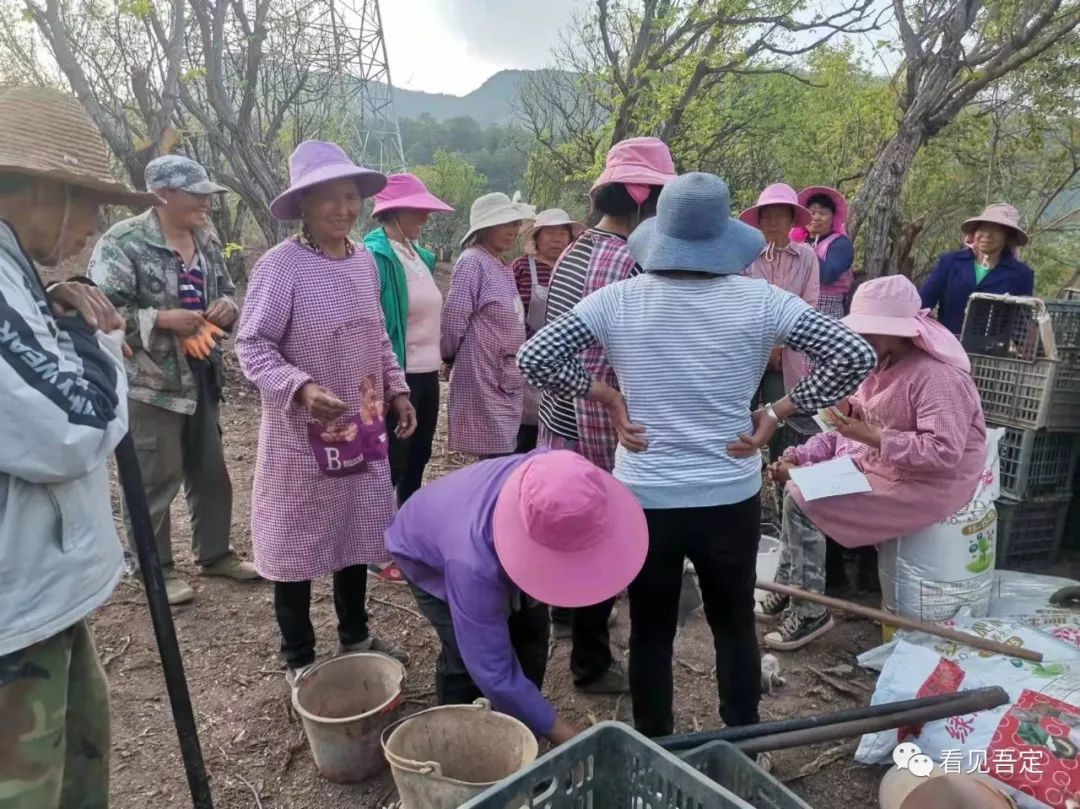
[[497, 209]]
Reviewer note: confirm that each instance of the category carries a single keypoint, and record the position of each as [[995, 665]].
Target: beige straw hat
[[495, 209], [46, 133], [552, 217]]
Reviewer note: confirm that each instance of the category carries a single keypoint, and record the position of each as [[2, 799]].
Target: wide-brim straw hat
[[693, 230], [568, 533], [315, 162], [551, 218], [407, 192], [777, 194], [46, 133], [999, 213], [496, 209]]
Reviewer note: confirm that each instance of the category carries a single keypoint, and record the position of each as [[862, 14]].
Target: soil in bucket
[[345, 704], [445, 756]]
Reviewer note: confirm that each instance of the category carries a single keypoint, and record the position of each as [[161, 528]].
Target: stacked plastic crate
[[1025, 359]]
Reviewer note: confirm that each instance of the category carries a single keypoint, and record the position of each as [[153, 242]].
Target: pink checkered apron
[[311, 318]]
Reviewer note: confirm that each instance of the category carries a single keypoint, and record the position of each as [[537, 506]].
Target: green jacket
[[395, 288], [139, 273]]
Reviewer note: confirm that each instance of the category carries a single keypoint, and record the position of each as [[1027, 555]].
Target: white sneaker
[[295, 675]]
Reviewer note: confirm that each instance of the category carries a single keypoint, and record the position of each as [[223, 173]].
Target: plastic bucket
[[345, 704], [768, 559], [445, 756]]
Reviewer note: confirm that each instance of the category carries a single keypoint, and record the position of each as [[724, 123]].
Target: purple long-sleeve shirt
[[443, 542]]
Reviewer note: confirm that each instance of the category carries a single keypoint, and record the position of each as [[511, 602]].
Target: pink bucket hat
[[891, 306], [838, 201], [566, 532], [407, 191], [638, 162], [1002, 214], [314, 162], [776, 194]]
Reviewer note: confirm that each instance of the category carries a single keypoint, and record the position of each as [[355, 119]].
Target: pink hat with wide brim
[[407, 192], [637, 161], [776, 194], [566, 532], [838, 201], [891, 307], [315, 162]]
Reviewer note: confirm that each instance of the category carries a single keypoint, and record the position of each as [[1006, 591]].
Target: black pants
[[722, 542], [409, 456], [529, 630], [292, 606], [527, 436], [590, 639]]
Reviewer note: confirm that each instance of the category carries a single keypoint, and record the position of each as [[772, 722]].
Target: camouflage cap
[[179, 173]]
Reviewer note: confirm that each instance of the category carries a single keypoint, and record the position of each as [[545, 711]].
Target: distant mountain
[[490, 103]]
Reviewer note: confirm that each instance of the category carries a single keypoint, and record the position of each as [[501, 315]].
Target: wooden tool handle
[[963, 703], [906, 623]]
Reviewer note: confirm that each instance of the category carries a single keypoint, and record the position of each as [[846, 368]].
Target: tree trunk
[[875, 214]]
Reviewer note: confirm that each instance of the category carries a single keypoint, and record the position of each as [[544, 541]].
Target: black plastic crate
[[609, 766], [725, 764], [1035, 463], [1011, 328], [1029, 532], [1043, 394]]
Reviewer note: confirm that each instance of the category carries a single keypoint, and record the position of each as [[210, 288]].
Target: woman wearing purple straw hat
[[312, 339], [986, 263]]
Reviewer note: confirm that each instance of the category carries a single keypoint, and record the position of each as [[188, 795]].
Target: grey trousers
[[175, 450], [802, 557]]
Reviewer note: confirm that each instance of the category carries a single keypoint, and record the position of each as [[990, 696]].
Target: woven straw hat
[[46, 133]]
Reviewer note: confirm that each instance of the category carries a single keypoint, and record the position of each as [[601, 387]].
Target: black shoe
[[771, 606], [795, 632]]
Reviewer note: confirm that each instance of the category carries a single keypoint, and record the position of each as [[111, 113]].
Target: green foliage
[[456, 181]]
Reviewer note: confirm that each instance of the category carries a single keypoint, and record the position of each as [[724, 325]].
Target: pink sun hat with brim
[[1000, 213], [891, 306], [566, 532], [776, 194], [637, 163], [315, 162], [407, 191], [838, 201]]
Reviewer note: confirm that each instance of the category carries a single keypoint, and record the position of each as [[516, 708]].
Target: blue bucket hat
[[693, 230]]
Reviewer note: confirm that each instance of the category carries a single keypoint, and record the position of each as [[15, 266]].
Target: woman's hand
[[444, 370], [749, 445], [780, 471], [631, 436], [182, 322], [222, 312], [856, 430], [321, 404], [776, 359], [406, 416]]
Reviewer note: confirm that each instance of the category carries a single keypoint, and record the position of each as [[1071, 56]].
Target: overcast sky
[[452, 46]]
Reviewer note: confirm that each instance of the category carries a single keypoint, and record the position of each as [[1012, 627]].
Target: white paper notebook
[[830, 479]]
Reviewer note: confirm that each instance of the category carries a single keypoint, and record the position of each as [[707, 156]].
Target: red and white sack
[[1031, 746]]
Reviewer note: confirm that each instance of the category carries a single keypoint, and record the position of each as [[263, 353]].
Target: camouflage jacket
[[140, 275]]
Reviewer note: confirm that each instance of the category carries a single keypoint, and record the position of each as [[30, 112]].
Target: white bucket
[[768, 559]]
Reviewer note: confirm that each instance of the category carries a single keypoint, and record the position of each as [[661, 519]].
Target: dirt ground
[[255, 749]]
